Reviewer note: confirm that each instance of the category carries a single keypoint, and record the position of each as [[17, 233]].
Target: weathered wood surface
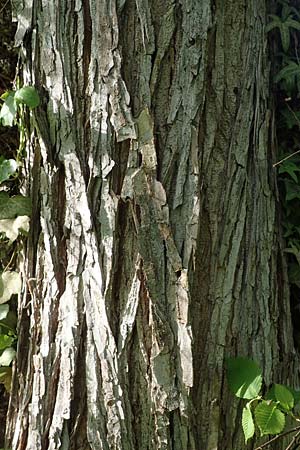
[[154, 250]]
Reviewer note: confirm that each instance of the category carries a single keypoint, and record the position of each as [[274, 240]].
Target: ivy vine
[[15, 210]]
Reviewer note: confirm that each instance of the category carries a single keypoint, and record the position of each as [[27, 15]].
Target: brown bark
[[154, 249]]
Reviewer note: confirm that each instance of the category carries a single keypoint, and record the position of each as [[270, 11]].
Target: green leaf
[[290, 71], [281, 394], [5, 377], [8, 110], [247, 423], [7, 168], [285, 37], [295, 394], [276, 22], [12, 285], [292, 190], [3, 308], [284, 397], [13, 227], [291, 23], [244, 377], [269, 419], [6, 341], [290, 168], [10, 207], [10, 322], [28, 95], [8, 355]]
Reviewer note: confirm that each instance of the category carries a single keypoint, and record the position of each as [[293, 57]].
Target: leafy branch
[[265, 415]]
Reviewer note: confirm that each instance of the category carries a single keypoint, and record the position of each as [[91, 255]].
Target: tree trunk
[[154, 250]]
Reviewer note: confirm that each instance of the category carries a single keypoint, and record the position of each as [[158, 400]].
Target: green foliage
[[289, 76], [244, 377], [28, 96], [286, 22], [10, 207], [9, 109], [269, 418], [15, 211], [248, 423], [8, 167], [266, 415]]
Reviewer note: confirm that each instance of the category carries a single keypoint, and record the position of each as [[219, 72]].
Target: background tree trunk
[[154, 249]]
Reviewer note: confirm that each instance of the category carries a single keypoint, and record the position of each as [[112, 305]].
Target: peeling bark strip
[[154, 249]]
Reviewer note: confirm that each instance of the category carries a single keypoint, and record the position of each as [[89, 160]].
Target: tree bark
[[155, 249]]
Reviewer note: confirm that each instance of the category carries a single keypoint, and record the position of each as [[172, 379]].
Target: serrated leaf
[[247, 423], [28, 95], [8, 355], [8, 110], [244, 377], [7, 168], [13, 227], [12, 285], [10, 207], [3, 309], [269, 419], [284, 396]]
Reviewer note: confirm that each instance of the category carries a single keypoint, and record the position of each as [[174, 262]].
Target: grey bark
[[154, 249]]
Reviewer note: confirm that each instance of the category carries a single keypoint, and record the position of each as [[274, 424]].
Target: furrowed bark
[[154, 250]]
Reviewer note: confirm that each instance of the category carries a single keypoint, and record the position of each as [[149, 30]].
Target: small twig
[[284, 159], [4, 6], [290, 446], [279, 437]]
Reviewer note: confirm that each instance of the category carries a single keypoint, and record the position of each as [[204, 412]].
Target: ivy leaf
[[269, 419], [13, 227], [244, 377], [12, 285], [7, 168], [247, 423], [6, 341], [28, 95], [10, 207], [3, 309], [8, 355], [8, 110]]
